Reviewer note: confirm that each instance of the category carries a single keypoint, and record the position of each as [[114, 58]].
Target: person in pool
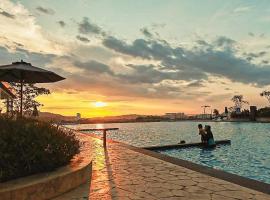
[[209, 136], [202, 133]]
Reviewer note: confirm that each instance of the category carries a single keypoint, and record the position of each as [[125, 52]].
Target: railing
[[104, 130]]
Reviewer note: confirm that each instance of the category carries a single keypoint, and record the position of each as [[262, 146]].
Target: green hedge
[[28, 147]]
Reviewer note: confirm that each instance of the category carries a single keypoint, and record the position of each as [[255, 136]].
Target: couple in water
[[207, 137]]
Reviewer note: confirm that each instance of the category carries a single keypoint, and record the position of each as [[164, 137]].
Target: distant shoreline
[[197, 120]]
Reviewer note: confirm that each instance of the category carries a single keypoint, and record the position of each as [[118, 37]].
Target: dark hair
[[207, 128], [199, 125]]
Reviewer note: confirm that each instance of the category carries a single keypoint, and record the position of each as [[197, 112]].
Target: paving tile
[[236, 194], [122, 174], [219, 197]]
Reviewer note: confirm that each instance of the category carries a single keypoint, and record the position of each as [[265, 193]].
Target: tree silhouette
[[30, 92], [238, 101], [216, 112], [266, 94]]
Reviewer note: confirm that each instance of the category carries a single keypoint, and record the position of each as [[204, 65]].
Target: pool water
[[248, 155], [229, 158]]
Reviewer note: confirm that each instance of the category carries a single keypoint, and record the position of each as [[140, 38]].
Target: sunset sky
[[141, 57]]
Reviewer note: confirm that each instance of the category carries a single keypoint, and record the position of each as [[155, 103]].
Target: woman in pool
[[202, 133], [209, 136]]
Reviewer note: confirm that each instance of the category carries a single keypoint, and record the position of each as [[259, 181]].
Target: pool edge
[[223, 175]]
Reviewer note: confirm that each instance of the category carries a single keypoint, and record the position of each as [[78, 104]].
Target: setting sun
[[99, 104]]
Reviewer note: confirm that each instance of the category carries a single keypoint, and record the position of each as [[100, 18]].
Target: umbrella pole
[[21, 96]]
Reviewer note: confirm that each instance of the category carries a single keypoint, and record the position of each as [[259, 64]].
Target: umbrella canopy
[[23, 72]]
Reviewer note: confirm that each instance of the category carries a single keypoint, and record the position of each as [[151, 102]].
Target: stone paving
[[123, 174]]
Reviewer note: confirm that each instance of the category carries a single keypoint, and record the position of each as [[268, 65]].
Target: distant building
[[175, 116], [203, 116], [78, 116]]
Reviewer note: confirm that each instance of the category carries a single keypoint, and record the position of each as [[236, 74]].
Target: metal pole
[[8, 105], [104, 138], [21, 96]]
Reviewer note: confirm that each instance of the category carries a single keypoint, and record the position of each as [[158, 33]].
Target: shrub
[[264, 112], [242, 115], [28, 147]]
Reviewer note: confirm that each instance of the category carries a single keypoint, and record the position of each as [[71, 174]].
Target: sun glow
[[99, 104]]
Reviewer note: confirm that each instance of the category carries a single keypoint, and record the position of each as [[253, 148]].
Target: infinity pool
[[248, 155]]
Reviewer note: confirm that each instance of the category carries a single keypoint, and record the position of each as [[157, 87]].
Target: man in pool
[[202, 133]]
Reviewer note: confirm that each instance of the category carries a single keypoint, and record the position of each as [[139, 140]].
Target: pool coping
[[223, 175], [220, 174], [185, 145]]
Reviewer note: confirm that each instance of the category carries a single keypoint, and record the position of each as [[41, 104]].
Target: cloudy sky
[[141, 57]]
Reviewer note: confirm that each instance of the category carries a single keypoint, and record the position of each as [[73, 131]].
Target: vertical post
[[8, 105], [11, 107], [21, 96], [104, 137]]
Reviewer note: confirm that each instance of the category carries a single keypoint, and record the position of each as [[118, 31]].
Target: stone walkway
[[123, 174]]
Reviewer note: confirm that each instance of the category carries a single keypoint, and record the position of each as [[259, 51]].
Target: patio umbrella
[[23, 72]]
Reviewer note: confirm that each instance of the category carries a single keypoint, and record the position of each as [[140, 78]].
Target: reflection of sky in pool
[[234, 159], [248, 155]]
